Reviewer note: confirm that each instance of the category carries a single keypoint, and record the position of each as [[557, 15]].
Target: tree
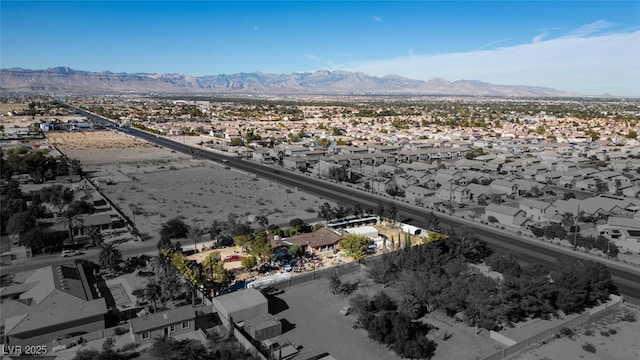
[[261, 247], [57, 195], [433, 223], [263, 221], [20, 223], [495, 198], [326, 212], [194, 233], [383, 270], [392, 212], [296, 251], [163, 347], [174, 229], [152, 292], [215, 229], [569, 222], [602, 187], [71, 221], [249, 262], [355, 246], [75, 167], [109, 255]]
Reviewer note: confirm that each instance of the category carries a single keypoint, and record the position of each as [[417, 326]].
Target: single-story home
[[169, 322]]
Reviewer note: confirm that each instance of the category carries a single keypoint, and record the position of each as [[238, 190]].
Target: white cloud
[[377, 18], [540, 36], [589, 29], [586, 64]]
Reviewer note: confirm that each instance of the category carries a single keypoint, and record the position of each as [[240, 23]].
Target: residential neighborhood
[[529, 174]]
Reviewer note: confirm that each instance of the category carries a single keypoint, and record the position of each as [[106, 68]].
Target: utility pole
[[575, 230], [450, 196]]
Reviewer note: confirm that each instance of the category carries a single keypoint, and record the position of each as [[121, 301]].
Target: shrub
[[604, 333], [589, 347], [128, 347], [120, 331], [588, 332], [568, 332], [629, 316], [613, 331]]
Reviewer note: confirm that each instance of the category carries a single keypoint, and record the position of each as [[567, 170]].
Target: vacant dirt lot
[[152, 185], [622, 345]]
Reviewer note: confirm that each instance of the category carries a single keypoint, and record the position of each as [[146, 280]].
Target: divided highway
[[626, 278]]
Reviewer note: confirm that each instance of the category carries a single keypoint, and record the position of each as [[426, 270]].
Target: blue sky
[[590, 47]]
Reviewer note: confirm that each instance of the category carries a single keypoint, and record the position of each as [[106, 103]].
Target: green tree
[[632, 134], [249, 262], [355, 246]]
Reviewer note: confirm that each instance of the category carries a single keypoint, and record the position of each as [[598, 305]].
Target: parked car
[[234, 257], [67, 253], [271, 291], [346, 310]]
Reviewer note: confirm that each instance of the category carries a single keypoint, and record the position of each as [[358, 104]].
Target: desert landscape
[[151, 184]]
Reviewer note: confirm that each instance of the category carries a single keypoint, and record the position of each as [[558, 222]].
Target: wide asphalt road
[[626, 278]]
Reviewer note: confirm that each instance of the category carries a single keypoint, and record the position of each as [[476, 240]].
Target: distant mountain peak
[[65, 79]]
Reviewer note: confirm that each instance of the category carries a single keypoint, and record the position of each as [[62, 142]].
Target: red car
[[231, 258]]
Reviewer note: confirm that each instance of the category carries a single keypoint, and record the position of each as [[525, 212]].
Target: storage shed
[[241, 305]]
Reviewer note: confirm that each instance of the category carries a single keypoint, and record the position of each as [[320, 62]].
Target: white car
[[67, 253]]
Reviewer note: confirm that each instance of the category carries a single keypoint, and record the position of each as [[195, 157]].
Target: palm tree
[[153, 292], [70, 220], [194, 234], [109, 255]]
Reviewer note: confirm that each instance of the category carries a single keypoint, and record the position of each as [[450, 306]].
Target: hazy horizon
[[587, 47]]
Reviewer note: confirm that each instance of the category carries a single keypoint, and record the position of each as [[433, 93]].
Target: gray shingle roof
[[162, 319]]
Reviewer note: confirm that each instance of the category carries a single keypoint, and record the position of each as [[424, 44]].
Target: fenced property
[[591, 315], [342, 269]]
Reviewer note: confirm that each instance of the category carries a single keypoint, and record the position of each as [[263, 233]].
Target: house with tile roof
[[171, 322], [54, 302]]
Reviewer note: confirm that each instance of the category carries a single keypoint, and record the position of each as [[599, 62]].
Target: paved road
[[626, 278]]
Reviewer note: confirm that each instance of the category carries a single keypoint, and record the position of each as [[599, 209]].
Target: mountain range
[[67, 80]]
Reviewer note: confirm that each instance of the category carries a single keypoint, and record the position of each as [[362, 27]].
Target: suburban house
[[169, 322], [506, 215], [623, 231], [320, 240], [54, 302], [505, 186], [416, 194], [536, 210], [456, 194]]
